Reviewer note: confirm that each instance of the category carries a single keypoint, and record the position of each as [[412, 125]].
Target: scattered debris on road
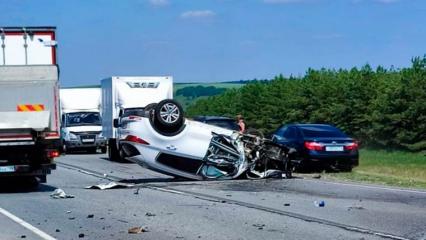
[[319, 203], [148, 214], [81, 235], [110, 185], [136, 230], [57, 230], [259, 226], [355, 207], [286, 204], [59, 193], [90, 216]]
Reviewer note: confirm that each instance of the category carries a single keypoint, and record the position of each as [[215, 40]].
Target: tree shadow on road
[[23, 185]]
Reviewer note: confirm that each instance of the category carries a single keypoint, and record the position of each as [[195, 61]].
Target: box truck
[[123, 96], [81, 119], [29, 102]]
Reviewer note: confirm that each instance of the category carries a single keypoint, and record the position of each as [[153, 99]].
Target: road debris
[[148, 214], [68, 212], [59, 193], [319, 203], [90, 216], [136, 191], [136, 230], [259, 226], [110, 185], [57, 230], [356, 207], [23, 236], [286, 204], [81, 235]]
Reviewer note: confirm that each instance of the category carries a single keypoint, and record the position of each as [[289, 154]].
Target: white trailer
[[29, 102], [122, 95], [81, 119]]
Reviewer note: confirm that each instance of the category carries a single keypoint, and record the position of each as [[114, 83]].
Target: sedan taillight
[[314, 146], [135, 139], [351, 146]]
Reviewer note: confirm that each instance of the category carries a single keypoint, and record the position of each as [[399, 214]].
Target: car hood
[[87, 128]]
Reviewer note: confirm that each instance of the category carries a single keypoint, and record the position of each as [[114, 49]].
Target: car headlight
[[73, 136], [100, 136]]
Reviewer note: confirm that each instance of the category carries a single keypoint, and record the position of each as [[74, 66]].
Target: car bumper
[[79, 144], [26, 170]]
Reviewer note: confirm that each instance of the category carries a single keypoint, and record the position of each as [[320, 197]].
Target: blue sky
[[223, 40]]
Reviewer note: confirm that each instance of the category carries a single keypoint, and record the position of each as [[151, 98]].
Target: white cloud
[[159, 3], [198, 14]]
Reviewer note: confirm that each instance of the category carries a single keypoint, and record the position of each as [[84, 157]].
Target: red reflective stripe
[[55, 96], [53, 37], [16, 136], [51, 134], [30, 107]]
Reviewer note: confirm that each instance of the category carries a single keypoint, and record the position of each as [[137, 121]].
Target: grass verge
[[394, 168]]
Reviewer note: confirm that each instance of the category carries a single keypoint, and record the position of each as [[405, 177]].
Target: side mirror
[[115, 123]]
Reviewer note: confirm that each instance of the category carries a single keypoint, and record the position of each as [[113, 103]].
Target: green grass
[[395, 168]]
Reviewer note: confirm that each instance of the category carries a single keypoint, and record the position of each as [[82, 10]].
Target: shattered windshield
[[83, 118]]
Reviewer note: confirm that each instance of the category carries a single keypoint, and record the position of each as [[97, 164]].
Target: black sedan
[[319, 146]]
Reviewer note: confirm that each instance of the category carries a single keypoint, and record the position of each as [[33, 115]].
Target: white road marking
[[26, 225], [367, 186]]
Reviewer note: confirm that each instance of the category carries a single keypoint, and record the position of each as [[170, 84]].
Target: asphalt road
[[174, 209]]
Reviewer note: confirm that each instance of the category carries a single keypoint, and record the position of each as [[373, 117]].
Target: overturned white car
[[161, 139]]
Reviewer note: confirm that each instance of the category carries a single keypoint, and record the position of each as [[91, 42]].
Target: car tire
[[103, 150], [113, 153], [64, 148], [167, 117], [93, 150]]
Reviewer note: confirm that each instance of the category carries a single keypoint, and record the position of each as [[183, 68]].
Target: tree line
[[380, 107]]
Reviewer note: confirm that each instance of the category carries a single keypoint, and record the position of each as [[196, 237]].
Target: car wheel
[[64, 148], [93, 150], [103, 150], [168, 117], [113, 153]]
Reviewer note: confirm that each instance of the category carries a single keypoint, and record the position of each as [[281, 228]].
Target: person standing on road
[[241, 123]]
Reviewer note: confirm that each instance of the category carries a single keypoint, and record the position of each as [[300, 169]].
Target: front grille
[[87, 133], [87, 139], [180, 163]]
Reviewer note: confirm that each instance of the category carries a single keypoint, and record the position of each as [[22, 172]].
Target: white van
[[81, 119]]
